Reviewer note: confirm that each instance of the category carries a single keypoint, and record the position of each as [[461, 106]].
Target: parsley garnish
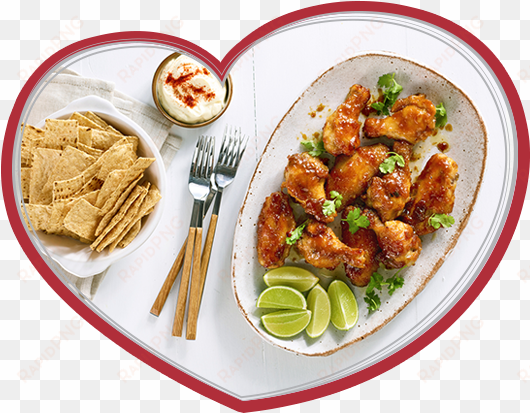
[[391, 92], [377, 282], [315, 148], [296, 234], [441, 116], [441, 219], [330, 206], [389, 164], [355, 220]]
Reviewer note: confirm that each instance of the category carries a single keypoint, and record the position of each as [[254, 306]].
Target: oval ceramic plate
[[74, 256], [467, 141]]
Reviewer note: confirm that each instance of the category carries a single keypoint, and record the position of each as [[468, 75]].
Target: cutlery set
[[205, 184]]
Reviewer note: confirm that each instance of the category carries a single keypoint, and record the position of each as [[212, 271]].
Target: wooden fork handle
[[178, 322], [193, 309], [196, 293], [158, 305]]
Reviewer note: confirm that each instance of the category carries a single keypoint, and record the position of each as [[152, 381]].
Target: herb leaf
[[437, 220], [441, 116], [330, 206], [296, 234], [355, 220], [373, 301], [315, 148], [377, 282], [389, 164], [391, 92]]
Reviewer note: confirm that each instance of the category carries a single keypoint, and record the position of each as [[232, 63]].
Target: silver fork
[[199, 186], [232, 150]]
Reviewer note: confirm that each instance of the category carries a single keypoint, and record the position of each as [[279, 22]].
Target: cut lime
[[283, 297], [344, 312], [296, 277], [319, 305], [286, 323]]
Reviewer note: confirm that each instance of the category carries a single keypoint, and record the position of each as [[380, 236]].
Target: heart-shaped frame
[[221, 68]]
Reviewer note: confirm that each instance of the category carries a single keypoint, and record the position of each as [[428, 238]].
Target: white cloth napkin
[[68, 86]]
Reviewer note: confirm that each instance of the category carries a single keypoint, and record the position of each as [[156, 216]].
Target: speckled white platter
[[468, 143]]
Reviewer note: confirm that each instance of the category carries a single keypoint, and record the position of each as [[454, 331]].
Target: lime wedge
[[344, 313], [319, 305], [296, 277], [286, 323], [283, 297]]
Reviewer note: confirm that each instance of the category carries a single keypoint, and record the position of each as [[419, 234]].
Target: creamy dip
[[189, 92]]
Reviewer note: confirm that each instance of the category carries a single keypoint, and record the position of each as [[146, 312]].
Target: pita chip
[[44, 161]]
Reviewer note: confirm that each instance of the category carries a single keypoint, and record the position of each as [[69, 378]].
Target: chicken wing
[[321, 248], [413, 120], [341, 131], [400, 246], [432, 193], [351, 174], [365, 239], [305, 177], [275, 223], [389, 194]]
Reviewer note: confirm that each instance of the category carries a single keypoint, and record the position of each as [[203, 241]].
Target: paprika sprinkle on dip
[[189, 92]]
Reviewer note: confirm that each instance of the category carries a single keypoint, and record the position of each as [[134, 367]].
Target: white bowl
[[76, 257]]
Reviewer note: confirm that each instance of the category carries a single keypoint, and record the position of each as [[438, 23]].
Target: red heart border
[[221, 68]]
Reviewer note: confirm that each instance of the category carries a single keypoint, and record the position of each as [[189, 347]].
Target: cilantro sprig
[[296, 234], [444, 220], [441, 116], [355, 220], [377, 282], [314, 148], [330, 206], [389, 164], [391, 91]]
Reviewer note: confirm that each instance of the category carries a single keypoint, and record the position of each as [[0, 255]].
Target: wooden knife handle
[[178, 323], [158, 305]]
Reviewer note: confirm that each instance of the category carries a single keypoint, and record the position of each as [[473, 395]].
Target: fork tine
[[224, 146], [195, 156], [207, 156], [244, 143], [211, 156], [235, 152], [204, 154]]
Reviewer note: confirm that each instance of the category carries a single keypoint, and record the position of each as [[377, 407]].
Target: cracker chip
[[113, 130], [110, 184], [151, 199], [104, 140], [30, 137], [122, 157], [84, 136], [72, 163], [131, 235], [83, 220], [25, 178], [44, 161], [58, 134], [133, 173], [38, 215], [96, 119], [84, 121], [115, 232], [118, 217], [96, 153]]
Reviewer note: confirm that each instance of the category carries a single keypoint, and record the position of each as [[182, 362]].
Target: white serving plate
[[76, 257], [468, 143]]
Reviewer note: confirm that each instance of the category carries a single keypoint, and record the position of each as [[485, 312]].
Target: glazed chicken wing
[[305, 177], [389, 194], [321, 248], [351, 174], [413, 120], [400, 246], [365, 239], [275, 223], [341, 131], [432, 193]]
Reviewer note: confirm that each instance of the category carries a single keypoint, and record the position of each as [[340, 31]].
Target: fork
[[232, 150], [199, 186]]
